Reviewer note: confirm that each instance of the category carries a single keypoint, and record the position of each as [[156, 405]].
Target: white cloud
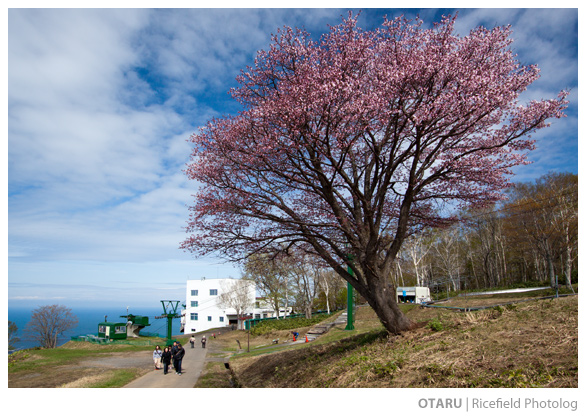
[[102, 101], [34, 298], [66, 124]]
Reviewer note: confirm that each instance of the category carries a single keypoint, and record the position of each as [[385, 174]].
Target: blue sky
[[102, 101]]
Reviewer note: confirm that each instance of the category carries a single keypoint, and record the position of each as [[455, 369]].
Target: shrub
[[435, 325]]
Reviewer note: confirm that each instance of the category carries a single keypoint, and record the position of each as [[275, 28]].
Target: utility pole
[[350, 299]]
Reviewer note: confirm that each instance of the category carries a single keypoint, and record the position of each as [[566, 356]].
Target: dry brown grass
[[88, 380], [78, 364], [533, 344]]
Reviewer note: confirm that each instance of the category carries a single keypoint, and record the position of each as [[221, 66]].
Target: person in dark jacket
[[178, 356], [173, 351], [166, 358]]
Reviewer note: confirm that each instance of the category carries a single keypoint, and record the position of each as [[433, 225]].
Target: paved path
[[194, 361], [191, 367]]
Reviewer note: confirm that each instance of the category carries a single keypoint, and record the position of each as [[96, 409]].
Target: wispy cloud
[[35, 298], [102, 101]]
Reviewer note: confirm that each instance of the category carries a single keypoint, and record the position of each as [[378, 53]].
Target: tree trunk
[[503, 260], [381, 297], [417, 278], [568, 263], [400, 273], [286, 298], [327, 292], [277, 305], [551, 269], [308, 297]]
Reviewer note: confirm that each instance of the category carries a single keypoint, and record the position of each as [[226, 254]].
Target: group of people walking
[[173, 354], [203, 341]]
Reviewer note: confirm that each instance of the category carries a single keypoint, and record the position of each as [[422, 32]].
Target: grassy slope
[[532, 344], [63, 366]]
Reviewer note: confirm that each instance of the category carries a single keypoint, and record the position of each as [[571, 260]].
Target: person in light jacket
[[157, 354]]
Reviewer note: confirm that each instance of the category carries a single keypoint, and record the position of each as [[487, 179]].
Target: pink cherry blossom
[[351, 143]]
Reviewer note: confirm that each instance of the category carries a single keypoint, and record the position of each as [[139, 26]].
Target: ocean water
[[88, 322]]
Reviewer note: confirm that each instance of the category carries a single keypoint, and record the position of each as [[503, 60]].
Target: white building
[[212, 303]]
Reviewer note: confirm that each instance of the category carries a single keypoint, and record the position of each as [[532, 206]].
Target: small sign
[[404, 293]]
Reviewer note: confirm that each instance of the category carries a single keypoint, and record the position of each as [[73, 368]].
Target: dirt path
[[140, 359]]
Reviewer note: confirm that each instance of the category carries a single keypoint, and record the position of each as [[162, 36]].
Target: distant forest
[[531, 238]]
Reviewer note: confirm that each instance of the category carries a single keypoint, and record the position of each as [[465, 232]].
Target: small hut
[[112, 330], [413, 294]]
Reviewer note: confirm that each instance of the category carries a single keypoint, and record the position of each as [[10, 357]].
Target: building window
[[194, 303], [193, 316], [209, 318], [194, 293], [221, 319], [213, 292]]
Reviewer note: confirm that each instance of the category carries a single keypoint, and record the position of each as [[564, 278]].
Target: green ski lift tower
[[170, 312]]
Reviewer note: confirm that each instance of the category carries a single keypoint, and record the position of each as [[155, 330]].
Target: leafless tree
[[48, 322], [447, 255], [271, 278], [239, 295], [305, 273], [416, 249], [547, 212], [12, 338]]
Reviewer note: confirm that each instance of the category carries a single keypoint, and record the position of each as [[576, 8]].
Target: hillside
[[530, 344]]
